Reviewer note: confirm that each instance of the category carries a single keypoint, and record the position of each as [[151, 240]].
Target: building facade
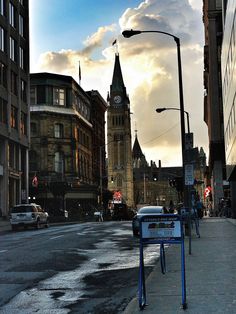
[[158, 185], [119, 146], [213, 106], [228, 70], [62, 143], [14, 103]]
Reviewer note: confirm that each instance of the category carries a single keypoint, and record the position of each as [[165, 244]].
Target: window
[[58, 96], [12, 49], [3, 74], [23, 123], [21, 58], [32, 95], [59, 162], [2, 8], [3, 111], [13, 117], [58, 130], [12, 16], [21, 25], [23, 90], [2, 39], [13, 82]]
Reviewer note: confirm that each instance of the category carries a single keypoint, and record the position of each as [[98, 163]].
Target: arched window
[[59, 162], [58, 130]]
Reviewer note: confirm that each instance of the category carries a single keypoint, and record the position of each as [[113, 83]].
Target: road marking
[[56, 237], [2, 251]]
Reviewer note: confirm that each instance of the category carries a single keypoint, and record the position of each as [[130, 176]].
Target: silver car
[[26, 215], [143, 211]]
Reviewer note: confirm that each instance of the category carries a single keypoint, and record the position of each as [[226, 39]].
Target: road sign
[[189, 179]]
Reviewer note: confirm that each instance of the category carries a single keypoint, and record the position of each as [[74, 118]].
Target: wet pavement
[[210, 274]]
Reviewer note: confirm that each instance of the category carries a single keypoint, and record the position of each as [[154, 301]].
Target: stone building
[[119, 145], [67, 125], [14, 103], [158, 185]]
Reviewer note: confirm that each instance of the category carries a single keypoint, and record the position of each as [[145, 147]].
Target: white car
[[26, 215], [143, 211]]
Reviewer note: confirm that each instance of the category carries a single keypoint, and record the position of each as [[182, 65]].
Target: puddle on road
[[67, 288]]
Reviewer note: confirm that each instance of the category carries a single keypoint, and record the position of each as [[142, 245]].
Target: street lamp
[[159, 110], [130, 33]]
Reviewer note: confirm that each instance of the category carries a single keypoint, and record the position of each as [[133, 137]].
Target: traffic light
[[112, 180]]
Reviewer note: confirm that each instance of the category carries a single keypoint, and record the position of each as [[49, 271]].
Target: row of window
[[58, 97], [13, 117], [231, 123], [59, 133], [13, 49], [80, 106], [13, 16], [13, 82], [59, 163], [14, 120], [230, 58], [118, 120], [42, 94]]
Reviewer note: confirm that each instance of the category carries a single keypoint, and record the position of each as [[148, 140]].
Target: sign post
[[160, 229]]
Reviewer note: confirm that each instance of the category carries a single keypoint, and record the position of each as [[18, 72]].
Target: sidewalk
[[210, 274]]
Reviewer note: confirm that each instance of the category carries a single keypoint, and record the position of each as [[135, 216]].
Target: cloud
[[150, 71]]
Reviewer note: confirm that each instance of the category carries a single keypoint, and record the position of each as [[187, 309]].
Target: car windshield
[[22, 209], [151, 210]]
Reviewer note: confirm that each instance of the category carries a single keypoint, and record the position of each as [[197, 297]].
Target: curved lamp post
[[159, 110], [130, 33]]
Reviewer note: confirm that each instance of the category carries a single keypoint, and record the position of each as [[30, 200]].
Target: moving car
[[28, 215], [143, 211]]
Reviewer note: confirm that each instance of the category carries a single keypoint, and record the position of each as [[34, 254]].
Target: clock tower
[[119, 147]]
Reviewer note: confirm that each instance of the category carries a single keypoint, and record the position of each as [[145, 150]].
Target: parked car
[[143, 211], [26, 215]]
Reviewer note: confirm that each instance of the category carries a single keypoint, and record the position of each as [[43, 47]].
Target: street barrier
[[160, 229]]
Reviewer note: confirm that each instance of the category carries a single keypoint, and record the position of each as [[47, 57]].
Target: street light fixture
[[159, 110], [130, 33]]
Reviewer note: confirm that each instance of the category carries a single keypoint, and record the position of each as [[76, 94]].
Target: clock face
[[117, 99]]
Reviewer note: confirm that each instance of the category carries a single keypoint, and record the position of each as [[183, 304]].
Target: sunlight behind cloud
[[150, 71]]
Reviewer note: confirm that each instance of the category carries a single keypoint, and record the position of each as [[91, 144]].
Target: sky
[[66, 32]]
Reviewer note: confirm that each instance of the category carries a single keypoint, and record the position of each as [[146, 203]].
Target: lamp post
[[159, 110], [130, 33]]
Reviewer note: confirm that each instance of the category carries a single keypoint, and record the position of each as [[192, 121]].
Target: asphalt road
[[81, 268]]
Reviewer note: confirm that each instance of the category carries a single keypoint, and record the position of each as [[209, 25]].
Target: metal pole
[[100, 173], [144, 188]]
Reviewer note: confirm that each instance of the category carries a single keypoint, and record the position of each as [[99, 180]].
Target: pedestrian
[[200, 208]]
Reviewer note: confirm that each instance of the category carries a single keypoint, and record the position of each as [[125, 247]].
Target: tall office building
[[228, 70], [14, 104], [213, 107]]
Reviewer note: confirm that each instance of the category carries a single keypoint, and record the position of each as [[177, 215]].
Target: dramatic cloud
[[150, 71]]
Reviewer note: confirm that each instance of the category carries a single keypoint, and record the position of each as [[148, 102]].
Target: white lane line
[[56, 237], [2, 251]]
